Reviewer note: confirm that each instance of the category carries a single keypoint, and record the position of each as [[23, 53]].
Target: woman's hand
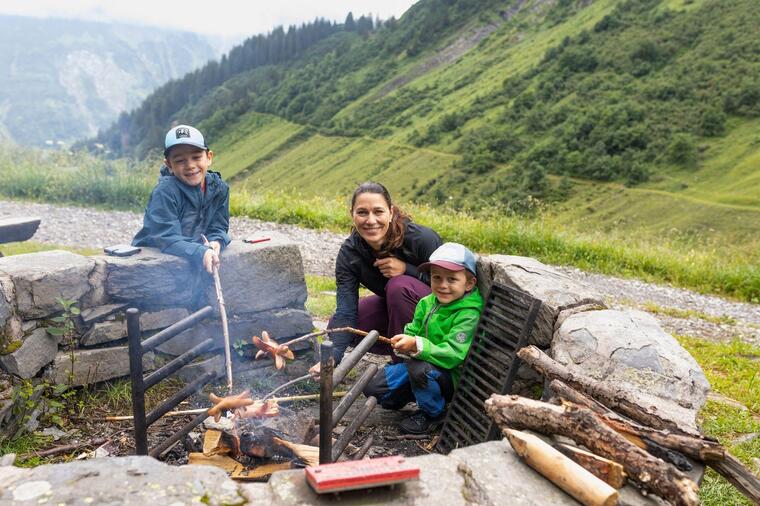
[[315, 371], [390, 267], [403, 343]]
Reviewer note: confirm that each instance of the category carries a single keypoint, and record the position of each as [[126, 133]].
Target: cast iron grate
[[490, 367], [140, 383]]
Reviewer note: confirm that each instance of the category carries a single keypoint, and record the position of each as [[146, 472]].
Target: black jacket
[[353, 267]]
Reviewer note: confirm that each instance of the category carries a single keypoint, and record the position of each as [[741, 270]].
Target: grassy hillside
[[561, 106]]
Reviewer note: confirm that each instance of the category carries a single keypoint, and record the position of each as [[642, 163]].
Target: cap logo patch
[[461, 337], [182, 132]]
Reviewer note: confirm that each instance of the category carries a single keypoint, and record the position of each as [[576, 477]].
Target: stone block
[[440, 483], [630, 349], [6, 301], [151, 278], [40, 278], [494, 474], [259, 277], [280, 323], [37, 350], [108, 331], [94, 366], [155, 320], [119, 480], [99, 313], [556, 291], [193, 371]]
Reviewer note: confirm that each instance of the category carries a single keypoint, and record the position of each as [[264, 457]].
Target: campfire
[[250, 437]]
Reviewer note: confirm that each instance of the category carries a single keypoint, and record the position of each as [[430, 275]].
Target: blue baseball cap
[[184, 134], [452, 256]]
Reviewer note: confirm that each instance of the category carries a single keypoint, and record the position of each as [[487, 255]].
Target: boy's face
[[449, 286], [188, 163]]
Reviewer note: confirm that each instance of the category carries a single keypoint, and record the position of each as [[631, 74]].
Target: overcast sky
[[215, 17]]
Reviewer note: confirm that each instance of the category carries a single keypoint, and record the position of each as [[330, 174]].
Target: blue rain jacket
[[177, 215]]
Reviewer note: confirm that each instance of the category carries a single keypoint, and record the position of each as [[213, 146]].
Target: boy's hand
[[315, 371], [403, 343], [210, 260], [217, 246], [390, 267]]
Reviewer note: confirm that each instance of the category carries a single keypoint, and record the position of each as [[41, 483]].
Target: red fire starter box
[[358, 474]]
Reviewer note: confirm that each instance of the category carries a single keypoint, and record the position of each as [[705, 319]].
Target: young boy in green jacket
[[437, 340]]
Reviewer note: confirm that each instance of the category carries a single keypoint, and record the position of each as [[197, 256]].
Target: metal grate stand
[[140, 384], [490, 367], [328, 417]]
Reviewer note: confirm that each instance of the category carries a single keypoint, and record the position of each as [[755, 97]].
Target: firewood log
[[696, 447], [612, 397], [560, 470], [606, 470], [585, 427]]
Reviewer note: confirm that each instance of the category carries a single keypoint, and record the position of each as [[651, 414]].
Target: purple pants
[[389, 314]]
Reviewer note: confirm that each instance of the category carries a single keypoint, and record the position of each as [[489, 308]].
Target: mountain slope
[[67, 79], [617, 115]]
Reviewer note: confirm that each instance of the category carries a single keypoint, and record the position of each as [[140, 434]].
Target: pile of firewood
[[626, 441]]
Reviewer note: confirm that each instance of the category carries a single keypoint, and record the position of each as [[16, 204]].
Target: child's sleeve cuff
[[419, 346]]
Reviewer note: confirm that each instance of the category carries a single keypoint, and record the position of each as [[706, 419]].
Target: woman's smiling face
[[372, 218]]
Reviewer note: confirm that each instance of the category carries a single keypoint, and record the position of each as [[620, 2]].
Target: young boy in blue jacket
[[188, 214], [437, 339]]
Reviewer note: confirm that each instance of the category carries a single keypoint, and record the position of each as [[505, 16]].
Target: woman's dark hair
[[394, 238]]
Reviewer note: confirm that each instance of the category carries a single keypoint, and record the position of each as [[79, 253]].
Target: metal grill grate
[[490, 367]]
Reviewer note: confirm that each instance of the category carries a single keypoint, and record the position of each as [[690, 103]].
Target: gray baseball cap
[[452, 256], [184, 134]]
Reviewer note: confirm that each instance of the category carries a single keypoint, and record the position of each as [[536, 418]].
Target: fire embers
[[268, 346]]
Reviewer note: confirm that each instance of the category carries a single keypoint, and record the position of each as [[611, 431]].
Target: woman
[[382, 254]]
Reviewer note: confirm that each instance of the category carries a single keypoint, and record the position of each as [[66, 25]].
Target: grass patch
[[732, 369], [688, 313], [21, 248], [727, 268], [320, 301], [711, 271], [25, 444]]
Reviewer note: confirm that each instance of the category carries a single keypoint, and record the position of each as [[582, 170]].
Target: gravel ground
[[85, 227]]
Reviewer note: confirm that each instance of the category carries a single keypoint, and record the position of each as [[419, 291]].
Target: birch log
[[560, 470], [585, 427]]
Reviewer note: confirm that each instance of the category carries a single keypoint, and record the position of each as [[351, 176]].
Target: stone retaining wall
[[264, 289], [617, 347]]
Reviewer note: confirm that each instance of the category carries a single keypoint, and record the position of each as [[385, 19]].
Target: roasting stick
[[225, 327], [351, 330], [198, 411]]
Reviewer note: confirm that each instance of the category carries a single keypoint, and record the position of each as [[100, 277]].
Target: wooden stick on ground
[[611, 397], [695, 447], [560, 470], [63, 448], [585, 427], [606, 470]]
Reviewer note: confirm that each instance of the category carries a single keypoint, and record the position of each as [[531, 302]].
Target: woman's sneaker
[[419, 423]]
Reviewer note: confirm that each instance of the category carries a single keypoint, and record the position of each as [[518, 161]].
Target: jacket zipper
[[427, 318]]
